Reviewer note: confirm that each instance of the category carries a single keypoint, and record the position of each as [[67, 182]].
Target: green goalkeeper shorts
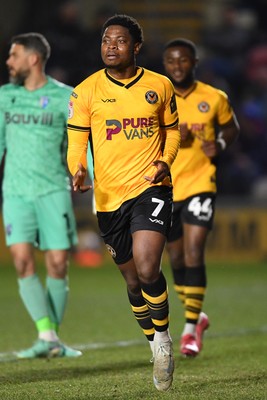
[[48, 221]]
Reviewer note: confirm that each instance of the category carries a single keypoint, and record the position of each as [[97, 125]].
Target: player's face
[[179, 64], [117, 49], [18, 64]]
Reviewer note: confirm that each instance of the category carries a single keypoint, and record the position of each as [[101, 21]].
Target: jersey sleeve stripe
[[78, 128], [170, 125]]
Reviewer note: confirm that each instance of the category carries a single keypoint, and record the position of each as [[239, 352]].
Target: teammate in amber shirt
[[128, 115], [201, 107]]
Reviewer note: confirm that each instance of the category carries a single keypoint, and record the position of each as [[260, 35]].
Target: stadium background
[[232, 40]]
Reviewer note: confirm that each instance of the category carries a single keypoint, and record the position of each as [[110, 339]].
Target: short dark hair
[[183, 43], [34, 41], [128, 22]]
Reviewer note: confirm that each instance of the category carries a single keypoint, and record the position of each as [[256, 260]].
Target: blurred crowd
[[235, 60], [233, 57]]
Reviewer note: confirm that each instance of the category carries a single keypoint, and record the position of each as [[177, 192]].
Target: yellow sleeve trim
[[77, 149], [172, 145]]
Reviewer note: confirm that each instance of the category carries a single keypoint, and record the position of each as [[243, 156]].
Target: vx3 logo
[[108, 100], [156, 221]]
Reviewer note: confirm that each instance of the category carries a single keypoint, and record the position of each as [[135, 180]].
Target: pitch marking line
[[10, 356]]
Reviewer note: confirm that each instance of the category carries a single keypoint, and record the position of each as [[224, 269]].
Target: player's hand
[[161, 172], [186, 136], [211, 148], [78, 180], [184, 131]]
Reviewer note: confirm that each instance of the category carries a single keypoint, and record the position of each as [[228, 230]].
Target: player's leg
[[34, 298], [57, 288], [115, 231], [21, 232], [147, 250], [120, 229], [151, 218], [148, 295], [31, 289], [193, 219], [137, 301], [195, 283], [57, 235], [197, 216], [191, 341], [175, 250], [184, 277]]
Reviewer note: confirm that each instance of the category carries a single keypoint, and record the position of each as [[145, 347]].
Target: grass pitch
[[115, 362]]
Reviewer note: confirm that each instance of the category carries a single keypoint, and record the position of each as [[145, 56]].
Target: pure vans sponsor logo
[[131, 127], [42, 119]]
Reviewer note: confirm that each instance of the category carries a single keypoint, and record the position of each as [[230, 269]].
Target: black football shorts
[[151, 210], [195, 210]]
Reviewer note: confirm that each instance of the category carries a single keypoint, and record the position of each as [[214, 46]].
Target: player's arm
[[77, 157], [163, 165], [228, 128], [170, 131], [78, 130], [2, 135], [78, 180], [169, 119], [172, 144], [227, 135], [171, 137], [77, 149]]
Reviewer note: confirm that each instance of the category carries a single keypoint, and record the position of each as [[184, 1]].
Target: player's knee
[[176, 260], [57, 264], [24, 266], [134, 288], [149, 274], [195, 256]]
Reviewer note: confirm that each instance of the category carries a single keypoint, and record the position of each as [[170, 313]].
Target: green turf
[[115, 362]]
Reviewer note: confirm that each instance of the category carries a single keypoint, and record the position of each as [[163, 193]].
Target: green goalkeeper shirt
[[33, 133]]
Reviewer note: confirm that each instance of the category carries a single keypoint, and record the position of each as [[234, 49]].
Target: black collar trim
[[185, 95], [122, 84]]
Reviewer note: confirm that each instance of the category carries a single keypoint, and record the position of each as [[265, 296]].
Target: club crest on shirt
[[44, 101], [151, 97], [71, 111], [111, 251], [9, 229], [203, 107]]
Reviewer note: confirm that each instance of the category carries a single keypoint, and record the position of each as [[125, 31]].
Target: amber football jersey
[[199, 111], [129, 124]]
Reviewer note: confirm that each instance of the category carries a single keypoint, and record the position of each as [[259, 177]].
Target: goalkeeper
[[37, 207]]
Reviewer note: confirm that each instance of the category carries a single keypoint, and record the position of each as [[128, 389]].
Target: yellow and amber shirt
[[199, 111], [129, 124]]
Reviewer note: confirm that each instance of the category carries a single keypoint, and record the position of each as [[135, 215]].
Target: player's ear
[[34, 58], [137, 48]]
